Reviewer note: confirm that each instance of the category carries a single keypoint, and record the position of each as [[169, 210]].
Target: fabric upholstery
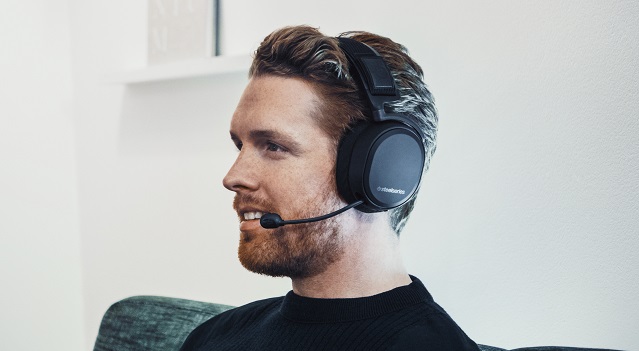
[[142, 323], [490, 348], [541, 348], [152, 323]]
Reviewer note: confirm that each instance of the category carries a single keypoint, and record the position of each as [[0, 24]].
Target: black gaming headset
[[381, 161]]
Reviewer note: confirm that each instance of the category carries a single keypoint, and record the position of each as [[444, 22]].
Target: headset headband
[[375, 76]]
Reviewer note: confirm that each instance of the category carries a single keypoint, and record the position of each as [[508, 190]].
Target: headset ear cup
[[381, 164]]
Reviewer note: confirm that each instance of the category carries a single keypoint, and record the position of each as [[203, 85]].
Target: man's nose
[[242, 175]]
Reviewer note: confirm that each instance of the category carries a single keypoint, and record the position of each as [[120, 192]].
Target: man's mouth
[[252, 215]]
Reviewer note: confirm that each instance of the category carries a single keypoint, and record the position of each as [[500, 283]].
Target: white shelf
[[183, 69]]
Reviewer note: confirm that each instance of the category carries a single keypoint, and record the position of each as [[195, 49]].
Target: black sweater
[[405, 318]]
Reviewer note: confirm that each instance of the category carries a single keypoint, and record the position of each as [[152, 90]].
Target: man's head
[[306, 53], [284, 166], [299, 103]]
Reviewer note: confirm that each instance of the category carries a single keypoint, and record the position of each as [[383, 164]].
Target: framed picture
[[182, 29]]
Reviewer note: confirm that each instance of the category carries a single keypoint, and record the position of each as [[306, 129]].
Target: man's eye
[[238, 145], [273, 147]]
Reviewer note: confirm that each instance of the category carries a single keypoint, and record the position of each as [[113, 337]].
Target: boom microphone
[[273, 220]]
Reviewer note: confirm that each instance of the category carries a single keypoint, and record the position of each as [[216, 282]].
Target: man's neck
[[371, 264]]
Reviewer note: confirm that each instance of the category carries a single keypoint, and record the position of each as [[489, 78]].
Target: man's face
[[285, 165]]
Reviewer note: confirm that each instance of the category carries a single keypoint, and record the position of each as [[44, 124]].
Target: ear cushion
[[381, 164], [344, 154]]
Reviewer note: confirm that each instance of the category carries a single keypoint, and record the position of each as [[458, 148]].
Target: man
[[350, 288]]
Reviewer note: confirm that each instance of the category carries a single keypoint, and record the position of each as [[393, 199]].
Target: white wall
[[41, 292], [526, 227]]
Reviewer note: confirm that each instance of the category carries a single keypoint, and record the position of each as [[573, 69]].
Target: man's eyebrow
[[275, 136]]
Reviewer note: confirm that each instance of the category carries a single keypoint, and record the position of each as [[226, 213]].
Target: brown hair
[[304, 52]]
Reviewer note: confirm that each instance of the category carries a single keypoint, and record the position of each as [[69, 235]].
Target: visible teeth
[[252, 215]]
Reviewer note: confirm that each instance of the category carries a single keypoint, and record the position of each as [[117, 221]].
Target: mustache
[[250, 199]]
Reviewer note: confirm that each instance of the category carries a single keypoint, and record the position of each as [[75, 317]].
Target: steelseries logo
[[391, 190]]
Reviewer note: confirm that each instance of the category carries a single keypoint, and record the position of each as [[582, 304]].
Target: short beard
[[295, 251]]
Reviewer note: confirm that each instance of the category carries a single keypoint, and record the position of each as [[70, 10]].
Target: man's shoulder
[[432, 326], [231, 319], [256, 305], [250, 311]]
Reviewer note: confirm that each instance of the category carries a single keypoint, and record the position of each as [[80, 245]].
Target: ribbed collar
[[312, 310]]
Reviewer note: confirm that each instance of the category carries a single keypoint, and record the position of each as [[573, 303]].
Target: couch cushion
[[152, 323], [558, 348], [490, 348]]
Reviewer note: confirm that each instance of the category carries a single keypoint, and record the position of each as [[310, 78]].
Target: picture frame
[[181, 30]]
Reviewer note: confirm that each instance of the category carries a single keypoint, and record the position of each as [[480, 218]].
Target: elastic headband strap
[[372, 73]]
